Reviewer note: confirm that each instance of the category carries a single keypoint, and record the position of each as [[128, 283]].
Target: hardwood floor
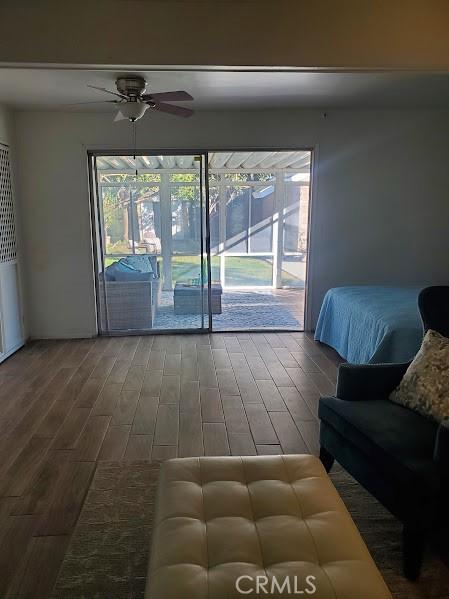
[[65, 405]]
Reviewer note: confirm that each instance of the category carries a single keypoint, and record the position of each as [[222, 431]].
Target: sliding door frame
[[206, 237], [205, 227]]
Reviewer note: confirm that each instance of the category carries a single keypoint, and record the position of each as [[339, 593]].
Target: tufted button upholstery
[[269, 516]]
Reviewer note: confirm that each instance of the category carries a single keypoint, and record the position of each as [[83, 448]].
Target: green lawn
[[248, 271], [239, 270]]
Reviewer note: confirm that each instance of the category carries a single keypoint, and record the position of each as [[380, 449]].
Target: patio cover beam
[[166, 231]]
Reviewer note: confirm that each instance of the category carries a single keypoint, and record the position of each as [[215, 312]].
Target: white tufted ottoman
[[236, 527]]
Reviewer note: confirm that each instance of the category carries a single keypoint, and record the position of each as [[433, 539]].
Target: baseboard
[[64, 335]]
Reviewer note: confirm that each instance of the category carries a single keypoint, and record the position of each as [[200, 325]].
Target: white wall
[[380, 207]]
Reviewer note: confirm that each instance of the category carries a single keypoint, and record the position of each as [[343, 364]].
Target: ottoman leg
[[326, 459], [413, 541]]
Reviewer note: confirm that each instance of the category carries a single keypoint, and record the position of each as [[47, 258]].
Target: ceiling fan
[[133, 101]]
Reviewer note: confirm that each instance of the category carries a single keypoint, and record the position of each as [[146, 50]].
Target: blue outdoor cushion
[[113, 269], [140, 263], [109, 274], [125, 265], [133, 276]]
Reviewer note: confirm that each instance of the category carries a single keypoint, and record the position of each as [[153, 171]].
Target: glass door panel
[[150, 240], [259, 208]]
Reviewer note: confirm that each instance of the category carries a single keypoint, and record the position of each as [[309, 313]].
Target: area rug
[[108, 554]]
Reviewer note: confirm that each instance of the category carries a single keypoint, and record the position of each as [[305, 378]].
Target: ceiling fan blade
[[172, 109], [94, 102], [103, 89], [178, 96]]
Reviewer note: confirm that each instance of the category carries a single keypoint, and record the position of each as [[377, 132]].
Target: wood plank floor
[[65, 405]]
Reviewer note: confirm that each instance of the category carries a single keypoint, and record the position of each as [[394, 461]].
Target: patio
[[246, 309]]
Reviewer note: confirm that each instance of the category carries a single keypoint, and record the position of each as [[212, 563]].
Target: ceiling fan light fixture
[[133, 111]]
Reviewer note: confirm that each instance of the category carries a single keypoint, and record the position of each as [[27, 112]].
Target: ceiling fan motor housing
[[131, 86]]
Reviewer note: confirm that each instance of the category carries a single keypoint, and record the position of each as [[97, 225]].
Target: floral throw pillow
[[425, 385]]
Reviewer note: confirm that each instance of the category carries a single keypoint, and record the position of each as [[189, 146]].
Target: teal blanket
[[371, 324]]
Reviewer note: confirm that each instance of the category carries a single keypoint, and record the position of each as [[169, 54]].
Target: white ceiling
[[56, 88]]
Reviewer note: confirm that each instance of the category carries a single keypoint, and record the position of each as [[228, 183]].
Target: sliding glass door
[[259, 213], [152, 264], [196, 242]]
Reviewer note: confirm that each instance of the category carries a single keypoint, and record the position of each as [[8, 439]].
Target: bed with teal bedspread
[[371, 324]]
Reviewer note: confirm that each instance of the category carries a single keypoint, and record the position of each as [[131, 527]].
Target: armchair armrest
[[441, 450], [368, 381]]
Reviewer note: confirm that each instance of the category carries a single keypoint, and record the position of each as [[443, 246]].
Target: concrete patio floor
[[241, 309]]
